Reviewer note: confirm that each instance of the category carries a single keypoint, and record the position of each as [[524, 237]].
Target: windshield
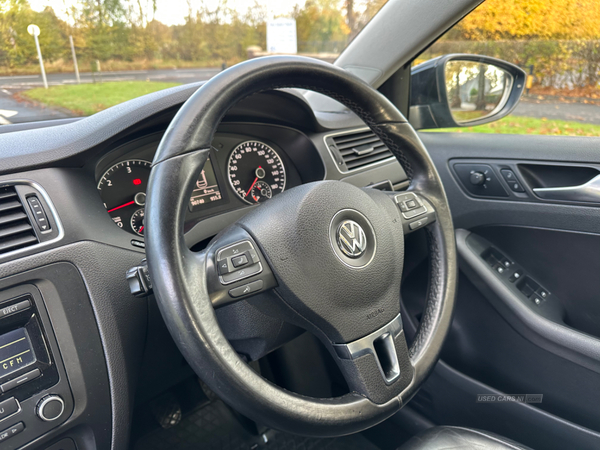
[[67, 58]]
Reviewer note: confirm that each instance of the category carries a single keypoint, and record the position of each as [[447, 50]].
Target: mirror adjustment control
[[477, 178], [50, 408], [490, 187]]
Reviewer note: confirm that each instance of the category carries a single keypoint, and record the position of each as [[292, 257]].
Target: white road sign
[[281, 36], [33, 30]]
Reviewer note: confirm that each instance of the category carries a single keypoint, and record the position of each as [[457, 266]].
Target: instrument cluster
[[238, 172]]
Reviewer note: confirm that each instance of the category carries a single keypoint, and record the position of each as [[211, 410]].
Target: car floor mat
[[214, 427]]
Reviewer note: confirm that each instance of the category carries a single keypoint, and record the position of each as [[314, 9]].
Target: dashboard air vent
[[15, 228], [357, 149]]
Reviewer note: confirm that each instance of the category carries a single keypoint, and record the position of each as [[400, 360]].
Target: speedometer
[[255, 172]]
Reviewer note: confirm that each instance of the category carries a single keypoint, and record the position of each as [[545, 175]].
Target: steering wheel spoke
[[377, 366]]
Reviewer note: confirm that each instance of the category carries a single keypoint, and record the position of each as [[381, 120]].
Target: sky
[[173, 12]]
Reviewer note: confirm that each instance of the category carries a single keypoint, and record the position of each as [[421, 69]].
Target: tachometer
[[123, 191], [255, 171]]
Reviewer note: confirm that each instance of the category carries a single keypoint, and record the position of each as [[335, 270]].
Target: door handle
[[587, 192]]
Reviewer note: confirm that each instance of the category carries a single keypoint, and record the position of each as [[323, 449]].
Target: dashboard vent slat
[[16, 230], [5, 206], [357, 149]]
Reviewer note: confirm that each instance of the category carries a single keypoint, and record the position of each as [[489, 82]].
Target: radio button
[[10, 432], [20, 380], [50, 408], [8, 408], [13, 309]]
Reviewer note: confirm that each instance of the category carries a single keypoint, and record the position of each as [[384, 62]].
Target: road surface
[[13, 111], [576, 112]]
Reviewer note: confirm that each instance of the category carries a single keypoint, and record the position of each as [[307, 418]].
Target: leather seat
[[457, 438]]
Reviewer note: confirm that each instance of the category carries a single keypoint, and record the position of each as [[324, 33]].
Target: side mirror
[[463, 90]]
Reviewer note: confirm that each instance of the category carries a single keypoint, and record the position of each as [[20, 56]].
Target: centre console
[[35, 396]]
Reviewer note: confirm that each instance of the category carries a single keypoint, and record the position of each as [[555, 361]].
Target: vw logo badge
[[351, 239]]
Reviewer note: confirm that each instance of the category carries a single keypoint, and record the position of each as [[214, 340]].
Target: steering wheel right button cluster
[[416, 211]]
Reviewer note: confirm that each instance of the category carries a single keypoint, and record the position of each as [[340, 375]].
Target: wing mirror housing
[[462, 90]]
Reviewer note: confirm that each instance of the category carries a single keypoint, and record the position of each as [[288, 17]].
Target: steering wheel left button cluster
[[241, 270], [237, 262]]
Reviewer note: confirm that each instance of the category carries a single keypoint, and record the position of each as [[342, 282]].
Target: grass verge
[[86, 99], [529, 125]]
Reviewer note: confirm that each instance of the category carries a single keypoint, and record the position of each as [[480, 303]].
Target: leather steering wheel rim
[[181, 288]]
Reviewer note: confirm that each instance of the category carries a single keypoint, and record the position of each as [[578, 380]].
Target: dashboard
[[62, 279], [248, 164]]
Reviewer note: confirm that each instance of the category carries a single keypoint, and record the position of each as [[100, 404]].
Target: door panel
[[538, 332]]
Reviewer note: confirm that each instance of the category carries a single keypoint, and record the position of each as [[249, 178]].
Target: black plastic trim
[[557, 338]]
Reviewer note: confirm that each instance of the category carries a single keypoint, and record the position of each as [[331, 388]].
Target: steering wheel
[[329, 254]]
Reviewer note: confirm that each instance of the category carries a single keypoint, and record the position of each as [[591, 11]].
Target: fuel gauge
[[261, 191], [137, 221]]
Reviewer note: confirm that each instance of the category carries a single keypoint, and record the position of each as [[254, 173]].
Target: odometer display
[[255, 172]]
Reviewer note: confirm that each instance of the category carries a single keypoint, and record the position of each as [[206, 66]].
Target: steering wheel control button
[[247, 289], [11, 431], [418, 223], [414, 213], [139, 280], [410, 205], [20, 380], [237, 261], [50, 408], [8, 408], [223, 267], [241, 274]]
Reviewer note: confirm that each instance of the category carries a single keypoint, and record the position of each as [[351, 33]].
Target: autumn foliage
[[533, 19], [559, 40]]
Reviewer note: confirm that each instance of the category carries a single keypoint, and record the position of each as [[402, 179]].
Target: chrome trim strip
[[46, 197], [366, 345], [366, 166], [587, 192]]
